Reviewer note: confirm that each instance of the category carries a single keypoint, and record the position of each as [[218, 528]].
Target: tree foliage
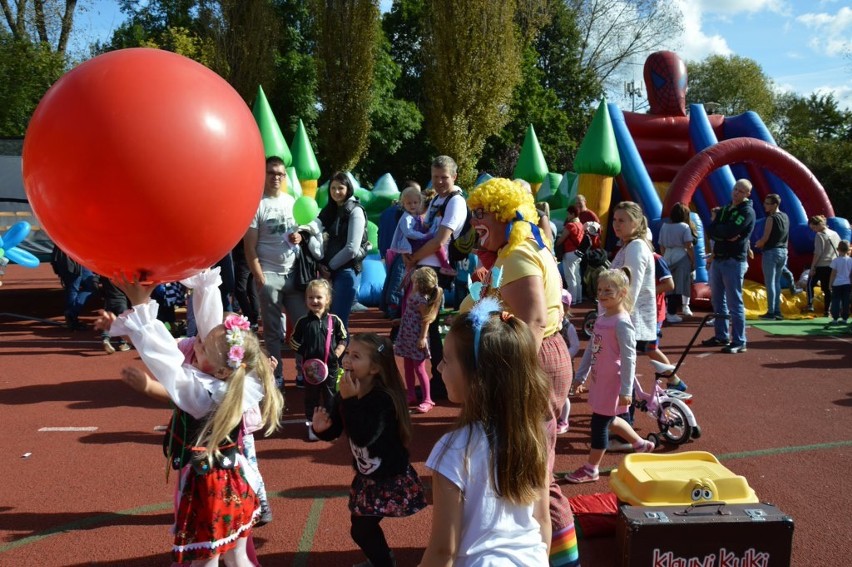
[[472, 64], [26, 72], [345, 60], [736, 83], [555, 96], [47, 22], [395, 123]]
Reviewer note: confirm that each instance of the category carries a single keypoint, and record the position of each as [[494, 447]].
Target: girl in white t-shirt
[[491, 503], [841, 284]]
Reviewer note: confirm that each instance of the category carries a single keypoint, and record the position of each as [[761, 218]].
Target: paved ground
[[96, 494]]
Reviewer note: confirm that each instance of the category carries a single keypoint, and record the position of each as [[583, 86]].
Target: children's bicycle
[[670, 407]]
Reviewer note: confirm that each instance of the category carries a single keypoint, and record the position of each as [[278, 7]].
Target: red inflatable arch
[[750, 150]]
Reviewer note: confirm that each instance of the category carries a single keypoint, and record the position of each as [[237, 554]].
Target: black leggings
[[821, 274], [369, 536]]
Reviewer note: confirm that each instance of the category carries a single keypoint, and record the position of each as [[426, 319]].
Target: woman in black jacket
[[345, 222]]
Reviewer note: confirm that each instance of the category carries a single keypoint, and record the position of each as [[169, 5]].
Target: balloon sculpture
[[143, 163], [9, 246]]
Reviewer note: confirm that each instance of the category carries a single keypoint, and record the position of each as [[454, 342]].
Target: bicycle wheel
[[673, 424]]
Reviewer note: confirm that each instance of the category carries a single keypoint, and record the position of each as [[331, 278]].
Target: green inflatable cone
[[273, 140], [304, 159], [531, 165]]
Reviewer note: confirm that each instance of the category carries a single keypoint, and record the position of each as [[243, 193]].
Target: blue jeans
[[726, 288], [78, 288], [774, 260], [344, 286]]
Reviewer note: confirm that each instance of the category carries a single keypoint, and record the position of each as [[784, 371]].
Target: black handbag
[[305, 268]]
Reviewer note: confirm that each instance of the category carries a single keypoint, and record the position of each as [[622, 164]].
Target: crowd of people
[[506, 359]]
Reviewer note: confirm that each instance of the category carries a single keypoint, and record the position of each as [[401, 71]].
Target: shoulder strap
[[328, 338], [443, 208]]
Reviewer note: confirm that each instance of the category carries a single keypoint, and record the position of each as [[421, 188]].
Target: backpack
[[467, 241], [592, 257]]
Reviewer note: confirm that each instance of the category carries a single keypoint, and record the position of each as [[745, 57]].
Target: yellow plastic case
[[693, 477]]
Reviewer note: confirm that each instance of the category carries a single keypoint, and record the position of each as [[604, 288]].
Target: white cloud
[[695, 45], [832, 31], [733, 7]]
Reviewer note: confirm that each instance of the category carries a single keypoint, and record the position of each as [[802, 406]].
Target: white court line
[[703, 355], [52, 429], [160, 427], [292, 421]]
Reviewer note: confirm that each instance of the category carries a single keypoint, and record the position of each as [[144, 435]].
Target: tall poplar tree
[[471, 52], [347, 33]]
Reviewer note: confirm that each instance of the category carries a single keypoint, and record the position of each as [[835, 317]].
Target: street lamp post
[[633, 90]]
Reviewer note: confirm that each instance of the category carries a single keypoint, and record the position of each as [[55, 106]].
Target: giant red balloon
[[143, 162]]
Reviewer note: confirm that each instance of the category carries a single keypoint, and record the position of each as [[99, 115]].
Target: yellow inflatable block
[[693, 477], [755, 301]]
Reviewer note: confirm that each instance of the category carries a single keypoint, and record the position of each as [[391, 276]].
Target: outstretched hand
[[138, 293], [104, 320], [321, 420]]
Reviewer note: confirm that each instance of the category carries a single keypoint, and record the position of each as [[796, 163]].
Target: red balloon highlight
[[144, 163]]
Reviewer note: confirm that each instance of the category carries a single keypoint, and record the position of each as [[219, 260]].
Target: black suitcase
[[704, 535]]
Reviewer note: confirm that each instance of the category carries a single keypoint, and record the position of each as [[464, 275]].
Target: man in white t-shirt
[[445, 218], [271, 245]]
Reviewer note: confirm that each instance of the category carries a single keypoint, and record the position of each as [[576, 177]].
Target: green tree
[[472, 61], [48, 22], [554, 95], [819, 134], [345, 58], [247, 41], [26, 72], [394, 124], [736, 83], [292, 92]]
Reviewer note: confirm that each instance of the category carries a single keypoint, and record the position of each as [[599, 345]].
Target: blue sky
[[804, 46]]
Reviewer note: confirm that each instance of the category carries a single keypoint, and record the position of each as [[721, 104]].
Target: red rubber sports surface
[[780, 414]]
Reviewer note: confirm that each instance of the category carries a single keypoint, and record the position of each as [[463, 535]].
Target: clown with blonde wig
[[509, 201], [526, 280]]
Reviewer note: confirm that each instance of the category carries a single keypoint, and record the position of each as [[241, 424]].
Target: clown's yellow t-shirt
[[528, 260]]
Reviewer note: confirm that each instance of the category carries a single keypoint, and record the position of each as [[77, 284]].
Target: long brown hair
[[388, 378], [509, 395]]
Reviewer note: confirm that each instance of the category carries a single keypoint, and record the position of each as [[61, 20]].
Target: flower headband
[[235, 333], [479, 315]]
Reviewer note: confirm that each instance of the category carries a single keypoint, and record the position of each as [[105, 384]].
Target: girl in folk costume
[[228, 375]]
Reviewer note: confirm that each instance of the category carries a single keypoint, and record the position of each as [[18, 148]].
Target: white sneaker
[[311, 435], [672, 318], [687, 312]]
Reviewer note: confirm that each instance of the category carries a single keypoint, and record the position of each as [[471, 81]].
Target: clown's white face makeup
[[491, 232]]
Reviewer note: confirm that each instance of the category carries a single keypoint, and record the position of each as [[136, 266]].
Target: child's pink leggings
[[416, 369]]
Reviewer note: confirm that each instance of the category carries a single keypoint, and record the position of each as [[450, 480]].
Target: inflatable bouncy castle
[[670, 156]]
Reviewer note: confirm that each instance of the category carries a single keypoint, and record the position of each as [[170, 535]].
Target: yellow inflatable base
[[754, 298]]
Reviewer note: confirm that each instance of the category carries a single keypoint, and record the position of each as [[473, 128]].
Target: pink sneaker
[[561, 427], [581, 475], [644, 446], [424, 407]]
